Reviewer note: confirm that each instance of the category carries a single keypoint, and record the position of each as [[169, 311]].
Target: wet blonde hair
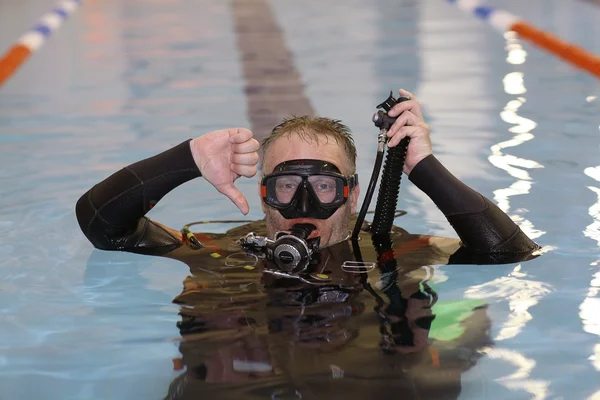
[[313, 128]]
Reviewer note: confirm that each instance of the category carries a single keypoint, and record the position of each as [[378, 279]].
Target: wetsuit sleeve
[[480, 224], [112, 213]]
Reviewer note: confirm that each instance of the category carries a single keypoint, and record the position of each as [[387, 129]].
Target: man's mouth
[[315, 233]]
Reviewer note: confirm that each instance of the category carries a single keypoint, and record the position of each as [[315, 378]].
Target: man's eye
[[324, 186], [286, 185]]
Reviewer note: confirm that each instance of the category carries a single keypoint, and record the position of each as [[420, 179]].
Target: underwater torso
[[354, 323]]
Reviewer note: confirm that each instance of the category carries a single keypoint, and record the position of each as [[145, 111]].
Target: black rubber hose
[[387, 340], [399, 332], [369, 195], [390, 187]]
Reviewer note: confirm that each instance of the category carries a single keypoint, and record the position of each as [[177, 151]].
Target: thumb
[[236, 196], [239, 135]]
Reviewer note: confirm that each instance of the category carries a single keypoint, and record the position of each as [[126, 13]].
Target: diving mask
[[306, 188]]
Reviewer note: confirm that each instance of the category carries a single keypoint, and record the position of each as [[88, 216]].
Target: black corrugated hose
[[389, 189]]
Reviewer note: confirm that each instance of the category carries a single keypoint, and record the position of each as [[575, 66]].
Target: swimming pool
[[124, 80]]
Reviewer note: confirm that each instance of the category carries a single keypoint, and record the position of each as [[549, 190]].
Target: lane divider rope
[[505, 21], [31, 41]]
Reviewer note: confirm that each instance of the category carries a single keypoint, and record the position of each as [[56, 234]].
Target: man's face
[[294, 147]]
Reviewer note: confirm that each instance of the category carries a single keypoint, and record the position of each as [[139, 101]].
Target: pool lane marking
[[32, 40], [274, 88], [505, 21]]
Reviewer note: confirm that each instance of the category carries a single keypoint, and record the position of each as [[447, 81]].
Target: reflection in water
[[588, 310], [595, 396], [595, 358], [513, 83], [383, 331], [521, 294], [519, 379], [515, 166], [510, 164], [516, 54], [593, 230]]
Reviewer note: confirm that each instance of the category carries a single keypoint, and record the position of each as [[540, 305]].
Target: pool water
[[121, 81]]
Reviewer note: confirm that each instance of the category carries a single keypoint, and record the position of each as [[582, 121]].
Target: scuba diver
[[112, 213], [276, 301]]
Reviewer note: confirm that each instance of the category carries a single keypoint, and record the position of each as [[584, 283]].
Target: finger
[[406, 93], [412, 105], [245, 158], [405, 131], [401, 134], [236, 196], [248, 146], [406, 119], [244, 170], [416, 105], [409, 105], [239, 135]]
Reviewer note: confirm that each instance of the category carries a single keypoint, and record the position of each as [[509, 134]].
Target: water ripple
[[521, 294], [515, 166]]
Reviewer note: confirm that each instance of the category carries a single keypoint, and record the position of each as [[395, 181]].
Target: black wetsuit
[[112, 216], [112, 213]]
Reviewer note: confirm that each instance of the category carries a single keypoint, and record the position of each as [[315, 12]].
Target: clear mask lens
[[327, 189]]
